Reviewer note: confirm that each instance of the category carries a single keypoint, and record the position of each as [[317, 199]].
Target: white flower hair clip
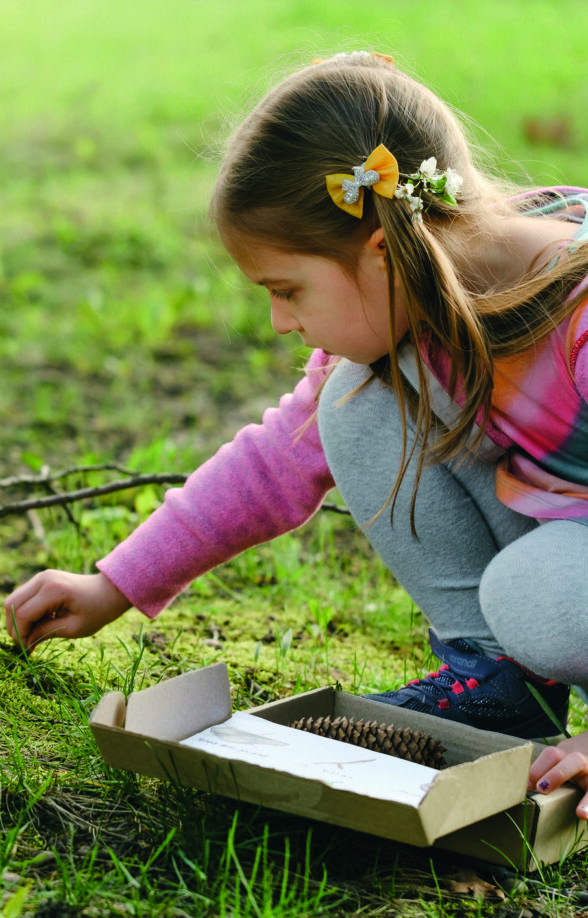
[[444, 185], [353, 55]]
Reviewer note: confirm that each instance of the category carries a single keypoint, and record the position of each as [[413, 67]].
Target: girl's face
[[311, 295]]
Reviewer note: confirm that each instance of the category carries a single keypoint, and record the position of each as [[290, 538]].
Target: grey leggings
[[478, 570]]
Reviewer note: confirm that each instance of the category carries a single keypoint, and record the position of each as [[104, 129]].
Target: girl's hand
[[58, 604], [558, 764]]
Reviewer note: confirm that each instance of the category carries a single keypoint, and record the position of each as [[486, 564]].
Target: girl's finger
[[34, 619], [47, 596], [546, 760], [573, 766], [23, 607], [22, 593], [47, 629], [18, 630], [21, 621], [582, 808]]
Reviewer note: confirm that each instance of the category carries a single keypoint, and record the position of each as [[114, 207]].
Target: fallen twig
[[336, 508], [45, 480], [45, 476], [70, 497]]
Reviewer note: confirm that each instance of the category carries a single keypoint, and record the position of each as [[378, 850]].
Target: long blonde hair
[[329, 117]]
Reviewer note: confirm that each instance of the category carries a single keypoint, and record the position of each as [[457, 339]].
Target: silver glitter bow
[[361, 179]]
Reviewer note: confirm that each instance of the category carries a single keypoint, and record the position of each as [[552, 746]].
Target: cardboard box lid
[[172, 709], [487, 772]]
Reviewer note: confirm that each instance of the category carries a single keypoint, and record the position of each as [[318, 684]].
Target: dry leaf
[[467, 883]]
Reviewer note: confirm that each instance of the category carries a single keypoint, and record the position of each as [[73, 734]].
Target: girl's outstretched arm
[[59, 604], [270, 479], [558, 764]]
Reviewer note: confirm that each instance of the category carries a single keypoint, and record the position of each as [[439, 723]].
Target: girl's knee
[[532, 598], [496, 596], [509, 607]]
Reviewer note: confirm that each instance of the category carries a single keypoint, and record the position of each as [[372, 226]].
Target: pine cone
[[403, 742]]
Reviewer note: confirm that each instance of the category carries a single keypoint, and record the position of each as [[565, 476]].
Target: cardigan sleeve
[[270, 479]]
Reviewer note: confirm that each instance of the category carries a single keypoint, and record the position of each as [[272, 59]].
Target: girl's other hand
[[558, 764], [59, 604]]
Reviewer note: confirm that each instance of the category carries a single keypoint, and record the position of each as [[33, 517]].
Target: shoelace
[[442, 683]]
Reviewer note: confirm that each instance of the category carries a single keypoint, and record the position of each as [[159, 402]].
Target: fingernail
[[543, 785]]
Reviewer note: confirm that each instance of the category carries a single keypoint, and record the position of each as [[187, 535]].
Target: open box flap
[[472, 791], [171, 710]]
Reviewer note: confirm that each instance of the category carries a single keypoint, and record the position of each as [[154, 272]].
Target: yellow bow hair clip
[[379, 172]]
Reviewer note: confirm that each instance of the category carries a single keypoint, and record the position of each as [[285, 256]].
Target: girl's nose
[[282, 321]]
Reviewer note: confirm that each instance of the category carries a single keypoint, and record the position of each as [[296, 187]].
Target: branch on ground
[[46, 479]]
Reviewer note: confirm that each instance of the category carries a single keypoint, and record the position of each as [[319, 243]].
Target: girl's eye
[[282, 294]]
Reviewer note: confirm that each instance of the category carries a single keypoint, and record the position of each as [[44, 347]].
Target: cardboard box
[[475, 805], [540, 830]]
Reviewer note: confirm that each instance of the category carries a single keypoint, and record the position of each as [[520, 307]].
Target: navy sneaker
[[488, 694]]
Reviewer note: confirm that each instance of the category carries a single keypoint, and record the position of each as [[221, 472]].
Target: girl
[[450, 371]]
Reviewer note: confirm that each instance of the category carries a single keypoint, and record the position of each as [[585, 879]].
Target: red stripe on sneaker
[[457, 688], [540, 679]]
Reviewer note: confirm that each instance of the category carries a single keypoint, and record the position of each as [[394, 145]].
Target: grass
[[126, 335]]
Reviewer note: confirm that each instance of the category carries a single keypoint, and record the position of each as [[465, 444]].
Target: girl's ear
[[377, 244], [377, 241]]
